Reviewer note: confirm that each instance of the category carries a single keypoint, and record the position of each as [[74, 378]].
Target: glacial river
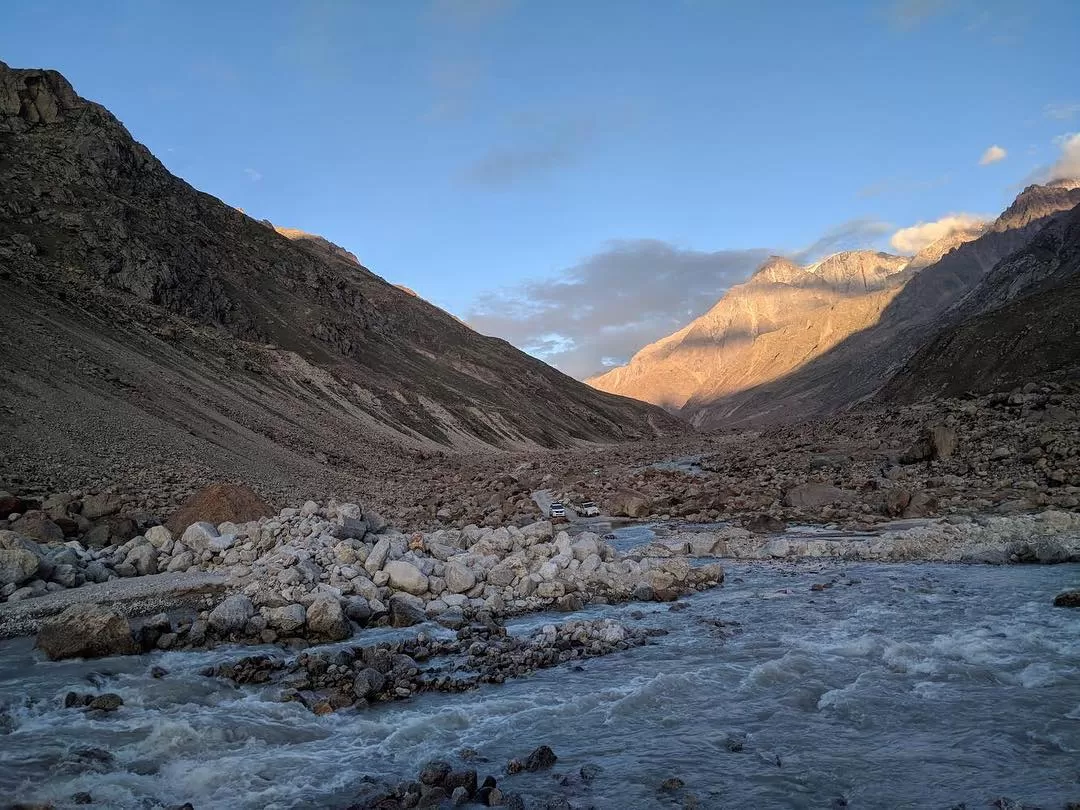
[[920, 686]]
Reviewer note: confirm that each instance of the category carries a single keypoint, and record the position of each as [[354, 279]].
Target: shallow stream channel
[[890, 686]]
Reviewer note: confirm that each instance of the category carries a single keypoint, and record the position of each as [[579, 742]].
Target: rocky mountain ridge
[[152, 327]]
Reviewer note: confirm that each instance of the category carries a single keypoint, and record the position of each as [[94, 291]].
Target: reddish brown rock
[[219, 503]]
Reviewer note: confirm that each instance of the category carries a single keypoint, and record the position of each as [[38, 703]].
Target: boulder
[[219, 503], [86, 631], [406, 610], [287, 619], [326, 619], [37, 526], [113, 530], [920, 504], [585, 546], [404, 576], [942, 441], [101, 505], [368, 683], [20, 559], [459, 579], [231, 615], [159, 536], [181, 562], [144, 559], [378, 555], [198, 536], [542, 757], [628, 503], [1068, 599]]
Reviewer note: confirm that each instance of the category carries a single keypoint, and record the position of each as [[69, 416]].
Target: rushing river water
[[900, 686]]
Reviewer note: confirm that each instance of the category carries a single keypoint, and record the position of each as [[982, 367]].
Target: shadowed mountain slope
[[1020, 325], [183, 328]]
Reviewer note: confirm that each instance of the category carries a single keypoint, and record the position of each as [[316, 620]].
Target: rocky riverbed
[[921, 685], [1007, 453]]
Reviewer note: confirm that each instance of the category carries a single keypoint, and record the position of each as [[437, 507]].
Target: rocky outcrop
[[1020, 325], [783, 317], [86, 631], [155, 331]]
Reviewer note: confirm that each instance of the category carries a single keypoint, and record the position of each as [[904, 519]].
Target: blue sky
[[509, 159]]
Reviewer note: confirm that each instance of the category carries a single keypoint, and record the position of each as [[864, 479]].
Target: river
[[918, 686]]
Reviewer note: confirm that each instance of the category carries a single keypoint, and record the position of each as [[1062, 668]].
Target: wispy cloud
[[901, 185], [854, 234], [254, 175], [507, 166], [468, 13], [906, 15], [600, 311], [1062, 111], [992, 155], [538, 142], [912, 239]]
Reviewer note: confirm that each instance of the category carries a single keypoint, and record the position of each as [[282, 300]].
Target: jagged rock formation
[[854, 369], [149, 325], [760, 331], [1020, 325]]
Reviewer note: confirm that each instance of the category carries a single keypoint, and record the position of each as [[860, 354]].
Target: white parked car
[[589, 509], [557, 510]]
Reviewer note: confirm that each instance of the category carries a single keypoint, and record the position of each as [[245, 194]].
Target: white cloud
[[915, 238], [1062, 111], [1067, 167], [254, 175], [992, 155]]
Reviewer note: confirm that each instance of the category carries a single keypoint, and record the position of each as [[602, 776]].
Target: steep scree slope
[[147, 323]]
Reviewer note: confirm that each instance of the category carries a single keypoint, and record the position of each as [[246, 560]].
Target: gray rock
[[368, 683], [406, 610], [66, 575], [404, 576], [377, 557], [144, 559], [86, 631], [358, 610], [223, 542], [181, 562], [287, 619], [159, 536], [326, 619], [459, 579], [197, 536], [231, 615], [17, 564]]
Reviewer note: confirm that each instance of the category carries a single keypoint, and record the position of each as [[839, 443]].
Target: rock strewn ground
[[316, 573]]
